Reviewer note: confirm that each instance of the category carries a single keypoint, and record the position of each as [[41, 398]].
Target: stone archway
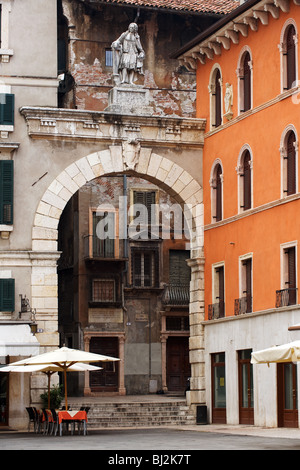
[[165, 174]]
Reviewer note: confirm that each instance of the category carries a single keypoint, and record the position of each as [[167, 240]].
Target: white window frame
[[5, 51], [239, 170], [282, 50], [240, 83], [242, 274], [215, 281], [211, 89], [283, 154], [283, 262], [213, 192]]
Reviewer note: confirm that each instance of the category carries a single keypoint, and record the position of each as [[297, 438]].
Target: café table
[[70, 416]]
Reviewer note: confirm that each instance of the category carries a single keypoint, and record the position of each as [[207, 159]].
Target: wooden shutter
[[248, 284], [6, 191], [247, 180], [291, 283], [218, 193], [147, 199], [7, 105], [218, 109], [7, 295], [221, 291], [247, 82], [137, 268], [179, 271], [290, 56], [291, 164]]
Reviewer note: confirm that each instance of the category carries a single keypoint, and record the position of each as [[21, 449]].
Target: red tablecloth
[[71, 415]]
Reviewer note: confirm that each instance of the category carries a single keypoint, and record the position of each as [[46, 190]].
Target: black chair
[[55, 422], [32, 417]]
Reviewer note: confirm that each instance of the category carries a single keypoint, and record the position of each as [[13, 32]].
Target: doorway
[[178, 365], [105, 380], [218, 388], [287, 395], [246, 410]]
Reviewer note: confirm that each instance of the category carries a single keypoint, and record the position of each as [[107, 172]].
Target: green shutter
[[6, 191], [7, 107], [7, 295]]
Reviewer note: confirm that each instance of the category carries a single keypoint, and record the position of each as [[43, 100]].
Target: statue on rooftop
[[128, 56]]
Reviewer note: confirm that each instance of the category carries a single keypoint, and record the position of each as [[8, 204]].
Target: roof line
[[215, 27]]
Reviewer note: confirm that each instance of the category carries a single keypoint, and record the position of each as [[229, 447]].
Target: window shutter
[[6, 191], [7, 105], [290, 56], [291, 164], [247, 82], [7, 295], [218, 194], [247, 181], [218, 117], [179, 271]]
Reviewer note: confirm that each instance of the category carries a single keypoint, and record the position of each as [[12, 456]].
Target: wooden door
[[246, 410], [178, 365], [287, 395], [107, 379]]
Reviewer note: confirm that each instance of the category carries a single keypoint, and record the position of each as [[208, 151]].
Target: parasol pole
[[66, 392]]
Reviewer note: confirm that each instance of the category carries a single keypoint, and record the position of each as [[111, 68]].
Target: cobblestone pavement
[[157, 440]]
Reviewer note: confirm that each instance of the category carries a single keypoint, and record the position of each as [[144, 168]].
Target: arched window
[[289, 163], [288, 49], [218, 98], [290, 56], [247, 180], [215, 90], [244, 73], [217, 193], [244, 171]]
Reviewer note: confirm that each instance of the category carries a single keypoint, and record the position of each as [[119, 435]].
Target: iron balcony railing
[[285, 297], [243, 305], [216, 310], [176, 295], [107, 248]]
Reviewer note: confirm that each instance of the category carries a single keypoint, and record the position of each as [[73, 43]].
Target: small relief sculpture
[[228, 99], [128, 56], [131, 152]]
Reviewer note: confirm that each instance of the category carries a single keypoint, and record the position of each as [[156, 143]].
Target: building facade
[[56, 137], [248, 93]]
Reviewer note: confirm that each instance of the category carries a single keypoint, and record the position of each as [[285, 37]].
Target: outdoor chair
[[46, 421], [32, 418], [55, 422]]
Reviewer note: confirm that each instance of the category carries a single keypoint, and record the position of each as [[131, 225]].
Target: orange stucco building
[[248, 92]]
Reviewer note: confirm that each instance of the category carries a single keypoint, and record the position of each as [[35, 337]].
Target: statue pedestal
[[129, 99]]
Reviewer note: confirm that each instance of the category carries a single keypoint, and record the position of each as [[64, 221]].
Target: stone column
[[122, 389], [196, 317], [87, 389]]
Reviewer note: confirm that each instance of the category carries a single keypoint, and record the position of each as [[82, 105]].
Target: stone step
[[132, 413]]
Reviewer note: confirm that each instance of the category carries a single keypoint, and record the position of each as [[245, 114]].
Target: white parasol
[[289, 352], [49, 370], [64, 358]]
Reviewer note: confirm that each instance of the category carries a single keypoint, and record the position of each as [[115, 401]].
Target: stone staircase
[[110, 414]]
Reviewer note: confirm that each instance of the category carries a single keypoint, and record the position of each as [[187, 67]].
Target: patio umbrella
[[64, 358], [289, 352], [49, 370]]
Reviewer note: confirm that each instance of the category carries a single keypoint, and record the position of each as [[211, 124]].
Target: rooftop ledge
[[75, 124]]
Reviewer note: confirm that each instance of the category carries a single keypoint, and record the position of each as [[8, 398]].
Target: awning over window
[[17, 340]]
